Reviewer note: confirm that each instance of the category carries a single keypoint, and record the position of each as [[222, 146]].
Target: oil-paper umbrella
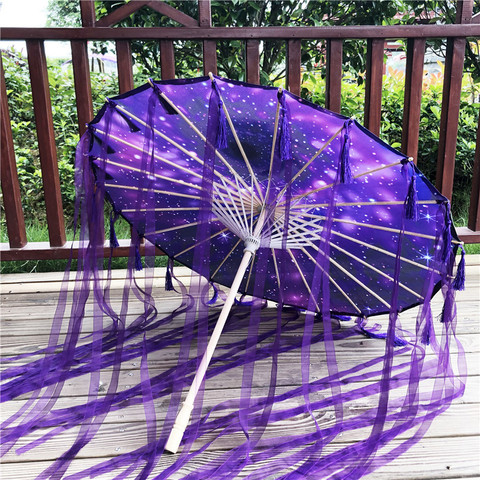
[[232, 179]]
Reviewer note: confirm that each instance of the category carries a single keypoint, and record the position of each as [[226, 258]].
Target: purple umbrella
[[261, 191]]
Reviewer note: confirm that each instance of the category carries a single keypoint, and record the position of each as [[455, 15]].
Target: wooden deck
[[449, 450]]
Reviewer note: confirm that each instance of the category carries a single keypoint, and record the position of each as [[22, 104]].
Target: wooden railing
[[466, 26]]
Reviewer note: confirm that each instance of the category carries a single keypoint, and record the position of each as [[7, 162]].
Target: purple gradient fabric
[[351, 229]]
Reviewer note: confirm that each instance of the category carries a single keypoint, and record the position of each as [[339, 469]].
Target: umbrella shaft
[[183, 417]]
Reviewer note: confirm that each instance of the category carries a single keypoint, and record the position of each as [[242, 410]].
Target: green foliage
[[353, 95], [64, 114]]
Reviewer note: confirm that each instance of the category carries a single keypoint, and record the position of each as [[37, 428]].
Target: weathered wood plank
[[252, 58], [124, 65], [294, 58]]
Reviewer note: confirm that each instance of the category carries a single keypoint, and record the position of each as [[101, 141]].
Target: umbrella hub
[[251, 244]]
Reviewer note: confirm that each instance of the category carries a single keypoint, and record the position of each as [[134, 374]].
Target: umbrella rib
[[225, 259], [180, 227], [245, 218], [167, 209], [189, 154], [303, 278], [353, 204], [330, 185], [234, 205], [274, 141], [202, 241], [295, 220], [318, 152], [340, 289], [239, 144], [381, 250], [175, 144], [274, 256], [228, 216], [346, 272], [154, 190]]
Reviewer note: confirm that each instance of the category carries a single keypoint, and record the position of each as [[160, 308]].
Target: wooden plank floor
[[449, 450]]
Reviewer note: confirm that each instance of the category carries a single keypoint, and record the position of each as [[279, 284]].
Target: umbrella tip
[[210, 74]]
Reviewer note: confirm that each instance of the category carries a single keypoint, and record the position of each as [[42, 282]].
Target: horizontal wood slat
[[11, 197], [37, 64], [238, 33]]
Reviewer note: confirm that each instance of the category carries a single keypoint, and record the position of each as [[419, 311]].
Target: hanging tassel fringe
[[221, 138], [285, 133], [113, 236], [345, 170], [459, 282], [427, 331], [447, 237], [169, 275], [411, 202]]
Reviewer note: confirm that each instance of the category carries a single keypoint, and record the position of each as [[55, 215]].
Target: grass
[[39, 233]]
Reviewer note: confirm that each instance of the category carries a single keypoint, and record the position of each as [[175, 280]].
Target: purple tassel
[[411, 202], [221, 138], [447, 237], [427, 331], [345, 170], [168, 276], [113, 236], [459, 282], [285, 134], [138, 259]]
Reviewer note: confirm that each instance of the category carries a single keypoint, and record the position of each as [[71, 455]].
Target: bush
[[64, 111], [313, 88], [353, 94]]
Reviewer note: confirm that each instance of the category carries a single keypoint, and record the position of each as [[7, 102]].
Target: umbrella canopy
[[154, 162]]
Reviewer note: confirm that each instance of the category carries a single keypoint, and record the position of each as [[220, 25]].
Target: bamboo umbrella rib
[[226, 258], [164, 192], [180, 227], [235, 207], [274, 142], [168, 162], [277, 274], [340, 289], [353, 204], [177, 145], [318, 152], [199, 243], [228, 218], [381, 250], [239, 144], [243, 208], [307, 286], [371, 267], [330, 185], [166, 209], [346, 272]]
